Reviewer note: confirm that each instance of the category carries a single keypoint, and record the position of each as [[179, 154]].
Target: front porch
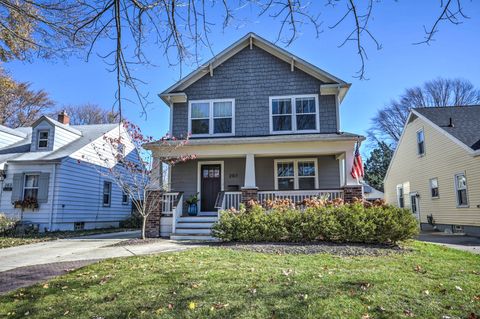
[[224, 176]]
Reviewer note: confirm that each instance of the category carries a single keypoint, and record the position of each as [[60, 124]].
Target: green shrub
[[134, 221], [353, 223], [7, 225]]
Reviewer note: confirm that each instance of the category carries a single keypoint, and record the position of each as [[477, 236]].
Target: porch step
[[197, 219], [177, 236], [182, 224], [210, 214], [194, 231]]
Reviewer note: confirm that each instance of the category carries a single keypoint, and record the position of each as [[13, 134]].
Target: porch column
[[249, 189], [153, 221]]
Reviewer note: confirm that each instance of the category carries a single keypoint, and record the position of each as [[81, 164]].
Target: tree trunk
[[144, 226]]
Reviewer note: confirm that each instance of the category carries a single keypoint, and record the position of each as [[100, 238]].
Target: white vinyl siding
[[294, 114], [211, 117]]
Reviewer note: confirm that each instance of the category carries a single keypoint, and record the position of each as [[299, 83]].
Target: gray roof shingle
[[465, 120]]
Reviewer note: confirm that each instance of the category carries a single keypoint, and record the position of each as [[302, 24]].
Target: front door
[[210, 186], [414, 201]]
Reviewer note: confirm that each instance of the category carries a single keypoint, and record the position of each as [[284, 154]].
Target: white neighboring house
[[55, 165], [372, 194]]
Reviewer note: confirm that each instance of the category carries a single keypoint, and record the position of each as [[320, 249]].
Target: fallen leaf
[[365, 285], [426, 292], [366, 316], [476, 298], [170, 306], [408, 313], [446, 317], [26, 313], [253, 291], [219, 305], [66, 313], [45, 286], [472, 316], [303, 296], [287, 272], [458, 288]]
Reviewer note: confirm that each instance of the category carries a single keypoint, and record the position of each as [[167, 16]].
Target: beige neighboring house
[[435, 170]]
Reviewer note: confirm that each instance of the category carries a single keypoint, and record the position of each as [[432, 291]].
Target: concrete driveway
[[26, 265], [466, 243], [94, 247]]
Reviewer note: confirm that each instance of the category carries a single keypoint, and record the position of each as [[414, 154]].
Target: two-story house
[[435, 170], [263, 124], [51, 175]]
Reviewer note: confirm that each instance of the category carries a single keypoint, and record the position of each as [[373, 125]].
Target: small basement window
[[79, 226], [43, 139]]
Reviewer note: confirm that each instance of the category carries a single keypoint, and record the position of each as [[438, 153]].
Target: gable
[[250, 41]]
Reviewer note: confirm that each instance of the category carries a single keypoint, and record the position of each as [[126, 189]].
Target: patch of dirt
[[316, 248]]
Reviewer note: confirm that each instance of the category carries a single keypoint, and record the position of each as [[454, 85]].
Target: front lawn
[[17, 240], [429, 282]]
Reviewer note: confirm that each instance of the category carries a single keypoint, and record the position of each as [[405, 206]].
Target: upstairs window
[[461, 190], [291, 114], [107, 194], [420, 143], [211, 117], [42, 139], [400, 196], [434, 188], [296, 174]]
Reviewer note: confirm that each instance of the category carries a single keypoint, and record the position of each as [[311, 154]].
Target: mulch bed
[[349, 249]]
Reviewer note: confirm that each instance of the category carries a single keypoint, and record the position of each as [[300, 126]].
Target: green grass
[[17, 240], [222, 283]]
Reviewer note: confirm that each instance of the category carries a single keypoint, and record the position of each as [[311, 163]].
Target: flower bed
[[316, 220]]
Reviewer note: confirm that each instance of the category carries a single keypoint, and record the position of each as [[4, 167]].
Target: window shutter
[[17, 187], [43, 182]]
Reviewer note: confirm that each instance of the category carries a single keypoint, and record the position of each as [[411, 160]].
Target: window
[[30, 188], [400, 196], [121, 149], [296, 174], [420, 143], [211, 117], [79, 226], [124, 198], [294, 114], [461, 190], [434, 188], [42, 139], [107, 193]]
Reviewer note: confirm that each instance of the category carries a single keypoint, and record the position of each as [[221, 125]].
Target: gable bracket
[[251, 43], [292, 65], [210, 67]]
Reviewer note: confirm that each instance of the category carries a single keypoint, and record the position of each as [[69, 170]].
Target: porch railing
[[227, 200], [173, 203], [297, 196]]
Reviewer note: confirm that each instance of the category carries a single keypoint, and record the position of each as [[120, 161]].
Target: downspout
[[54, 177]]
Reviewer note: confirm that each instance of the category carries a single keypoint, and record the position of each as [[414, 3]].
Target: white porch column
[[250, 172]]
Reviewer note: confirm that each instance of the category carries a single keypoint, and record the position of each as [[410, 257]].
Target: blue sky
[[398, 65]]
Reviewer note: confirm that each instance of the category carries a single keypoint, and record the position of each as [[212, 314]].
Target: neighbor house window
[[107, 193], [400, 196], [30, 188], [212, 117], [42, 139], [296, 174], [434, 187], [294, 114], [124, 198], [461, 190], [420, 143]]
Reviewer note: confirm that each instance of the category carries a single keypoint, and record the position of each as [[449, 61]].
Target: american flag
[[357, 168]]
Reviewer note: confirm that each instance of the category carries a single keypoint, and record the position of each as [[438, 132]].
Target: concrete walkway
[[94, 247], [461, 242]]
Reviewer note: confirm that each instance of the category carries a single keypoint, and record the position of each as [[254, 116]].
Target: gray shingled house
[[264, 124]]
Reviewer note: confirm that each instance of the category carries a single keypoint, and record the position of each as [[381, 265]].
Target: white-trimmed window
[[107, 194], [211, 117], [461, 190], [290, 114], [400, 196], [434, 192], [420, 142], [30, 187], [42, 139], [296, 174]]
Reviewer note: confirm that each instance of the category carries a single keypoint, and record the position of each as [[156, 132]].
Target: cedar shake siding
[[251, 77]]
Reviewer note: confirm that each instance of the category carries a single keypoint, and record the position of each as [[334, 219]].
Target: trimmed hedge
[[355, 223]]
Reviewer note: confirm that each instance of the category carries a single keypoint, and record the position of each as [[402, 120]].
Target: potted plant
[[192, 205]]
